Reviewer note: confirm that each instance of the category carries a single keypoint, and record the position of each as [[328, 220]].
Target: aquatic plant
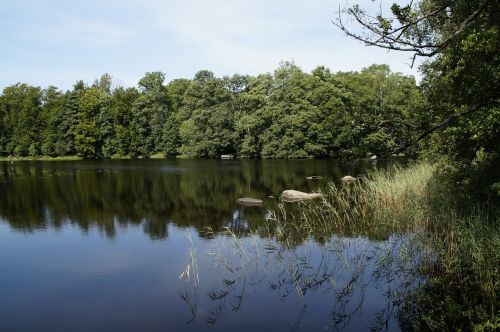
[[459, 245]]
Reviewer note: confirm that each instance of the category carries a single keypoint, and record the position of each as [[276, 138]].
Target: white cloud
[[253, 36], [83, 39], [82, 32]]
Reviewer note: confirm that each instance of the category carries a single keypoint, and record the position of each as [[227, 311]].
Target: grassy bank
[[47, 158], [41, 158], [462, 287]]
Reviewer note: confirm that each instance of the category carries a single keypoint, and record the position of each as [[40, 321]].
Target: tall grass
[[380, 204], [462, 286]]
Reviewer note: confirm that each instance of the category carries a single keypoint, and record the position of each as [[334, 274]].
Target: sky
[[57, 42]]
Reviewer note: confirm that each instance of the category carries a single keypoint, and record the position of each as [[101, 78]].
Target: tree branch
[[442, 124], [394, 39]]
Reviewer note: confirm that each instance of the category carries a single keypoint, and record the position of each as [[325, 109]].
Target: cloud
[[254, 36], [83, 39], [90, 33]]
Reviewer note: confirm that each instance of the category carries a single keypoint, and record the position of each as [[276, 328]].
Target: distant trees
[[286, 114]]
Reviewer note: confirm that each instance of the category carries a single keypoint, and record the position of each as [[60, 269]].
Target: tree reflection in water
[[346, 270], [116, 193]]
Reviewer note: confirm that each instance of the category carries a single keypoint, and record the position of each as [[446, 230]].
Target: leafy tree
[[21, 105], [122, 101], [461, 81], [88, 136], [52, 103], [150, 111], [67, 120], [171, 139], [208, 126]]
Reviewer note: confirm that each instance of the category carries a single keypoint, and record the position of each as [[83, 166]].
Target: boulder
[[249, 201], [296, 196], [314, 177], [348, 179]]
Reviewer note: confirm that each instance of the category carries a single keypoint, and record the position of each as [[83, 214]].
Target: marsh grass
[[446, 253], [383, 202], [191, 276], [342, 268], [459, 244]]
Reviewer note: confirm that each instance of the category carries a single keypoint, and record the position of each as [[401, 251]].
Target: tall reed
[[462, 289]]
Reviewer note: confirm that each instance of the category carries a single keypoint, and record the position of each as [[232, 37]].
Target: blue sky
[[56, 42]]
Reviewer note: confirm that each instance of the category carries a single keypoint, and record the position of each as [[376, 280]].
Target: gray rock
[[249, 201], [314, 177], [348, 179], [296, 196]]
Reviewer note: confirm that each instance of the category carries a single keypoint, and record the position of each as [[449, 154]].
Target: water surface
[[102, 246]]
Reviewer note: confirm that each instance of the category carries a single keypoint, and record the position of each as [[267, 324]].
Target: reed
[[464, 244]]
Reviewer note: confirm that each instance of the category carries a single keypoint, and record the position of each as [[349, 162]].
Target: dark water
[[102, 246]]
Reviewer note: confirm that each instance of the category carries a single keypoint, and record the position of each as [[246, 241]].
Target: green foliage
[[149, 114], [286, 114], [466, 75]]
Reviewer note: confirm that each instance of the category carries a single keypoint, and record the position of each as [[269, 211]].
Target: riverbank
[[41, 158]]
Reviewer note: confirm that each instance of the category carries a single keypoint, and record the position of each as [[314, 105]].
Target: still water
[[158, 245]]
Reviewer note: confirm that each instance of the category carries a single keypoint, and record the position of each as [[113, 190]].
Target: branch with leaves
[[411, 28]]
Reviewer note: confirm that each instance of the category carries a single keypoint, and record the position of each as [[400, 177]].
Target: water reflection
[[360, 283], [57, 273], [152, 193]]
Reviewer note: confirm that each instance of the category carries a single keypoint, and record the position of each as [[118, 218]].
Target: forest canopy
[[286, 114]]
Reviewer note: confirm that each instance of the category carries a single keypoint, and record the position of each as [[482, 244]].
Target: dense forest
[[287, 114]]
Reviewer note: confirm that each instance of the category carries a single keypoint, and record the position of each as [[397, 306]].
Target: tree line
[[285, 114]]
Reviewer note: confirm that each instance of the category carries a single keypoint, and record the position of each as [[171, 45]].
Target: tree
[[424, 28], [52, 102], [88, 135], [67, 120], [21, 106], [207, 129], [461, 81], [150, 111], [122, 113], [175, 94]]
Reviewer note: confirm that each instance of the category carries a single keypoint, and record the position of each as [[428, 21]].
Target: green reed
[[462, 288]]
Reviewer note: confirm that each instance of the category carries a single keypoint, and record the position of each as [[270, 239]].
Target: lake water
[[159, 245]]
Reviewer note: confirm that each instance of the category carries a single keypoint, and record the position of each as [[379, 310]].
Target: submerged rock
[[249, 201], [296, 196], [314, 177], [348, 178]]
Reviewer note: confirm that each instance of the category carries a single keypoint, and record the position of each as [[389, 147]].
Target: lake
[[162, 245]]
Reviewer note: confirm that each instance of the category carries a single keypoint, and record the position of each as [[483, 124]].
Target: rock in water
[[296, 196], [314, 177], [348, 178], [250, 201]]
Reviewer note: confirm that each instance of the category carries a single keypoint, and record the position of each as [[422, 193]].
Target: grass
[[380, 204], [448, 250], [462, 286], [47, 158], [41, 158]]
